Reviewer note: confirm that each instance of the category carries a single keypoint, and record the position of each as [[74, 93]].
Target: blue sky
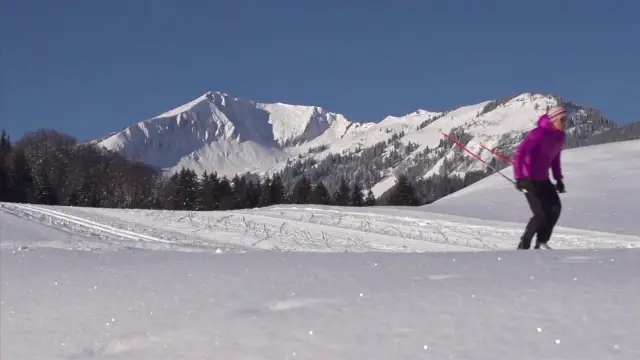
[[91, 67]]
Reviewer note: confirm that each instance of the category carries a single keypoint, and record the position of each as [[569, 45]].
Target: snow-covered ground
[[287, 228], [570, 304], [313, 282]]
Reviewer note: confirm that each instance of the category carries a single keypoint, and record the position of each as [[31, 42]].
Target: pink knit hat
[[556, 112]]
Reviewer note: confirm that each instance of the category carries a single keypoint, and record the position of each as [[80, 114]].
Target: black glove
[[523, 185], [560, 186]]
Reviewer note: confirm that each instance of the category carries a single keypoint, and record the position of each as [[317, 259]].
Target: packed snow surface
[[314, 282], [565, 304], [289, 228]]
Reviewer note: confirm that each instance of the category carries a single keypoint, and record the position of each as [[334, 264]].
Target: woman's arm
[[527, 144]]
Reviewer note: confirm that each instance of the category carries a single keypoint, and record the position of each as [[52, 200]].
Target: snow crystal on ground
[[140, 305]]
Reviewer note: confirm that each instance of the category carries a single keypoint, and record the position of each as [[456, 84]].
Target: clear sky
[[89, 67]]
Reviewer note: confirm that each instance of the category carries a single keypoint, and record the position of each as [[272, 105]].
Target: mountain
[[217, 132], [220, 133]]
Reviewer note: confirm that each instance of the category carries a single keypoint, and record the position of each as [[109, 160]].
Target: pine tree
[[356, 198], [156, 197], [341, 196], [253, 194], [371, 199], [240, 192], [277, 190], [170, 200], [301, 192], [205, 198], [187, 190], [224, 194], [20, 179], [320, 195], [403, 193], [215, 186], [5, 150], [4, 180], [5, 143], [265, 193]]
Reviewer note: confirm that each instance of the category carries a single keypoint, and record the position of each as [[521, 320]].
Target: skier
[[540, 151]]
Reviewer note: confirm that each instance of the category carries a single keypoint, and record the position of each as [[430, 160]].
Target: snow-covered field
[[286, 228], [59, 304], [312, 282]]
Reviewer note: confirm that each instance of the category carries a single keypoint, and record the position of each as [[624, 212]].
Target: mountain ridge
[[217, 132], [230, 133]]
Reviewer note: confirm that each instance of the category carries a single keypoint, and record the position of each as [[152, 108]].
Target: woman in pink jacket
[[539, 152]]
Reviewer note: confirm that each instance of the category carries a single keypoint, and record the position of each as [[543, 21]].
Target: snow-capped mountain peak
[[220, 133]]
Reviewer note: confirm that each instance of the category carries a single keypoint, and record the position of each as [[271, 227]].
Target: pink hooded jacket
[[540, 151]]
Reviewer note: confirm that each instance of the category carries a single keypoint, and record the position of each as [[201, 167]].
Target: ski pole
[[479, 158], [462, 147], [503, 157]]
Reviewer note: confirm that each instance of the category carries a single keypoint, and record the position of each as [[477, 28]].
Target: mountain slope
[[217, 132], [427, 157], [601, 182]]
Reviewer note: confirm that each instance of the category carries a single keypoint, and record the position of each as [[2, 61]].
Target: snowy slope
[[368, 134], [217, 132], [603, 191], [111, 302], [511, 119]]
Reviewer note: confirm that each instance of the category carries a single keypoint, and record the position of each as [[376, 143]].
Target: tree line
[[48, 167]]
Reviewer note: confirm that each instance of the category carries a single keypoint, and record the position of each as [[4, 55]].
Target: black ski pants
[[544, 202]]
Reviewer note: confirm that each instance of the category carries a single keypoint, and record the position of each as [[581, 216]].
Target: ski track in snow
[[106, 237], [290, 228]]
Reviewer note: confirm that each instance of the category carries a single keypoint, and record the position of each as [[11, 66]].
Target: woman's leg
[[552, 209], [536, 204]]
